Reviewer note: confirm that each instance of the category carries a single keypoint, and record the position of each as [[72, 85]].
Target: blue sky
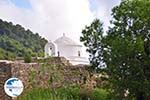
[[22, 3], [93, 3], [26, 4]]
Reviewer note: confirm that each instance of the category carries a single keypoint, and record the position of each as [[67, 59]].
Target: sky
[[52, 18]]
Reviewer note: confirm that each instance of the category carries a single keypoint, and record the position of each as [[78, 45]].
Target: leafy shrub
[[27, 57], [99, 94]]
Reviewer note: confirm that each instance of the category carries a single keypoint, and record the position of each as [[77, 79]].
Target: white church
[[66, 47]]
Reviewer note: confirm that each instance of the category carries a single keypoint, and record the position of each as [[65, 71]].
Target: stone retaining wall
[[5, 73], [69, 74]]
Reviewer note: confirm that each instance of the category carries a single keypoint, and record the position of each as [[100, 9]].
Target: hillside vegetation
[[15, 41]]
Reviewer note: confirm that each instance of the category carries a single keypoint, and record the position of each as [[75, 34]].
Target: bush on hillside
[[27, 57]]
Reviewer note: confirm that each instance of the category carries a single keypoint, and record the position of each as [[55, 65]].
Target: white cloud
[[103, 11], [50, 18]]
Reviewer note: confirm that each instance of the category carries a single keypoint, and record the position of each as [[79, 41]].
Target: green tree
[[125, 50], [91, 37], [14, 39], [127, 53]]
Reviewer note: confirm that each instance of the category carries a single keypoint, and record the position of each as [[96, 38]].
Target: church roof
[[66, 41]]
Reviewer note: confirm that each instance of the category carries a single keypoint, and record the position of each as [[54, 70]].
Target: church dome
[[66, 41]]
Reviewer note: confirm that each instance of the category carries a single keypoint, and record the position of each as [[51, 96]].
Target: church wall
[[77, 50], [61, 50], [74, 50], [68, 51]]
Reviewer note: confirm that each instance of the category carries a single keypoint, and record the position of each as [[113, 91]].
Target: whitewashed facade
[[66, 47]]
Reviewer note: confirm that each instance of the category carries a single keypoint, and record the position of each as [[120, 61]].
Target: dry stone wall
[[33, 75], [5, 73]]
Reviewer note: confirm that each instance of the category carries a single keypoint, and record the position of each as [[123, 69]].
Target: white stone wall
[[67, 50]]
